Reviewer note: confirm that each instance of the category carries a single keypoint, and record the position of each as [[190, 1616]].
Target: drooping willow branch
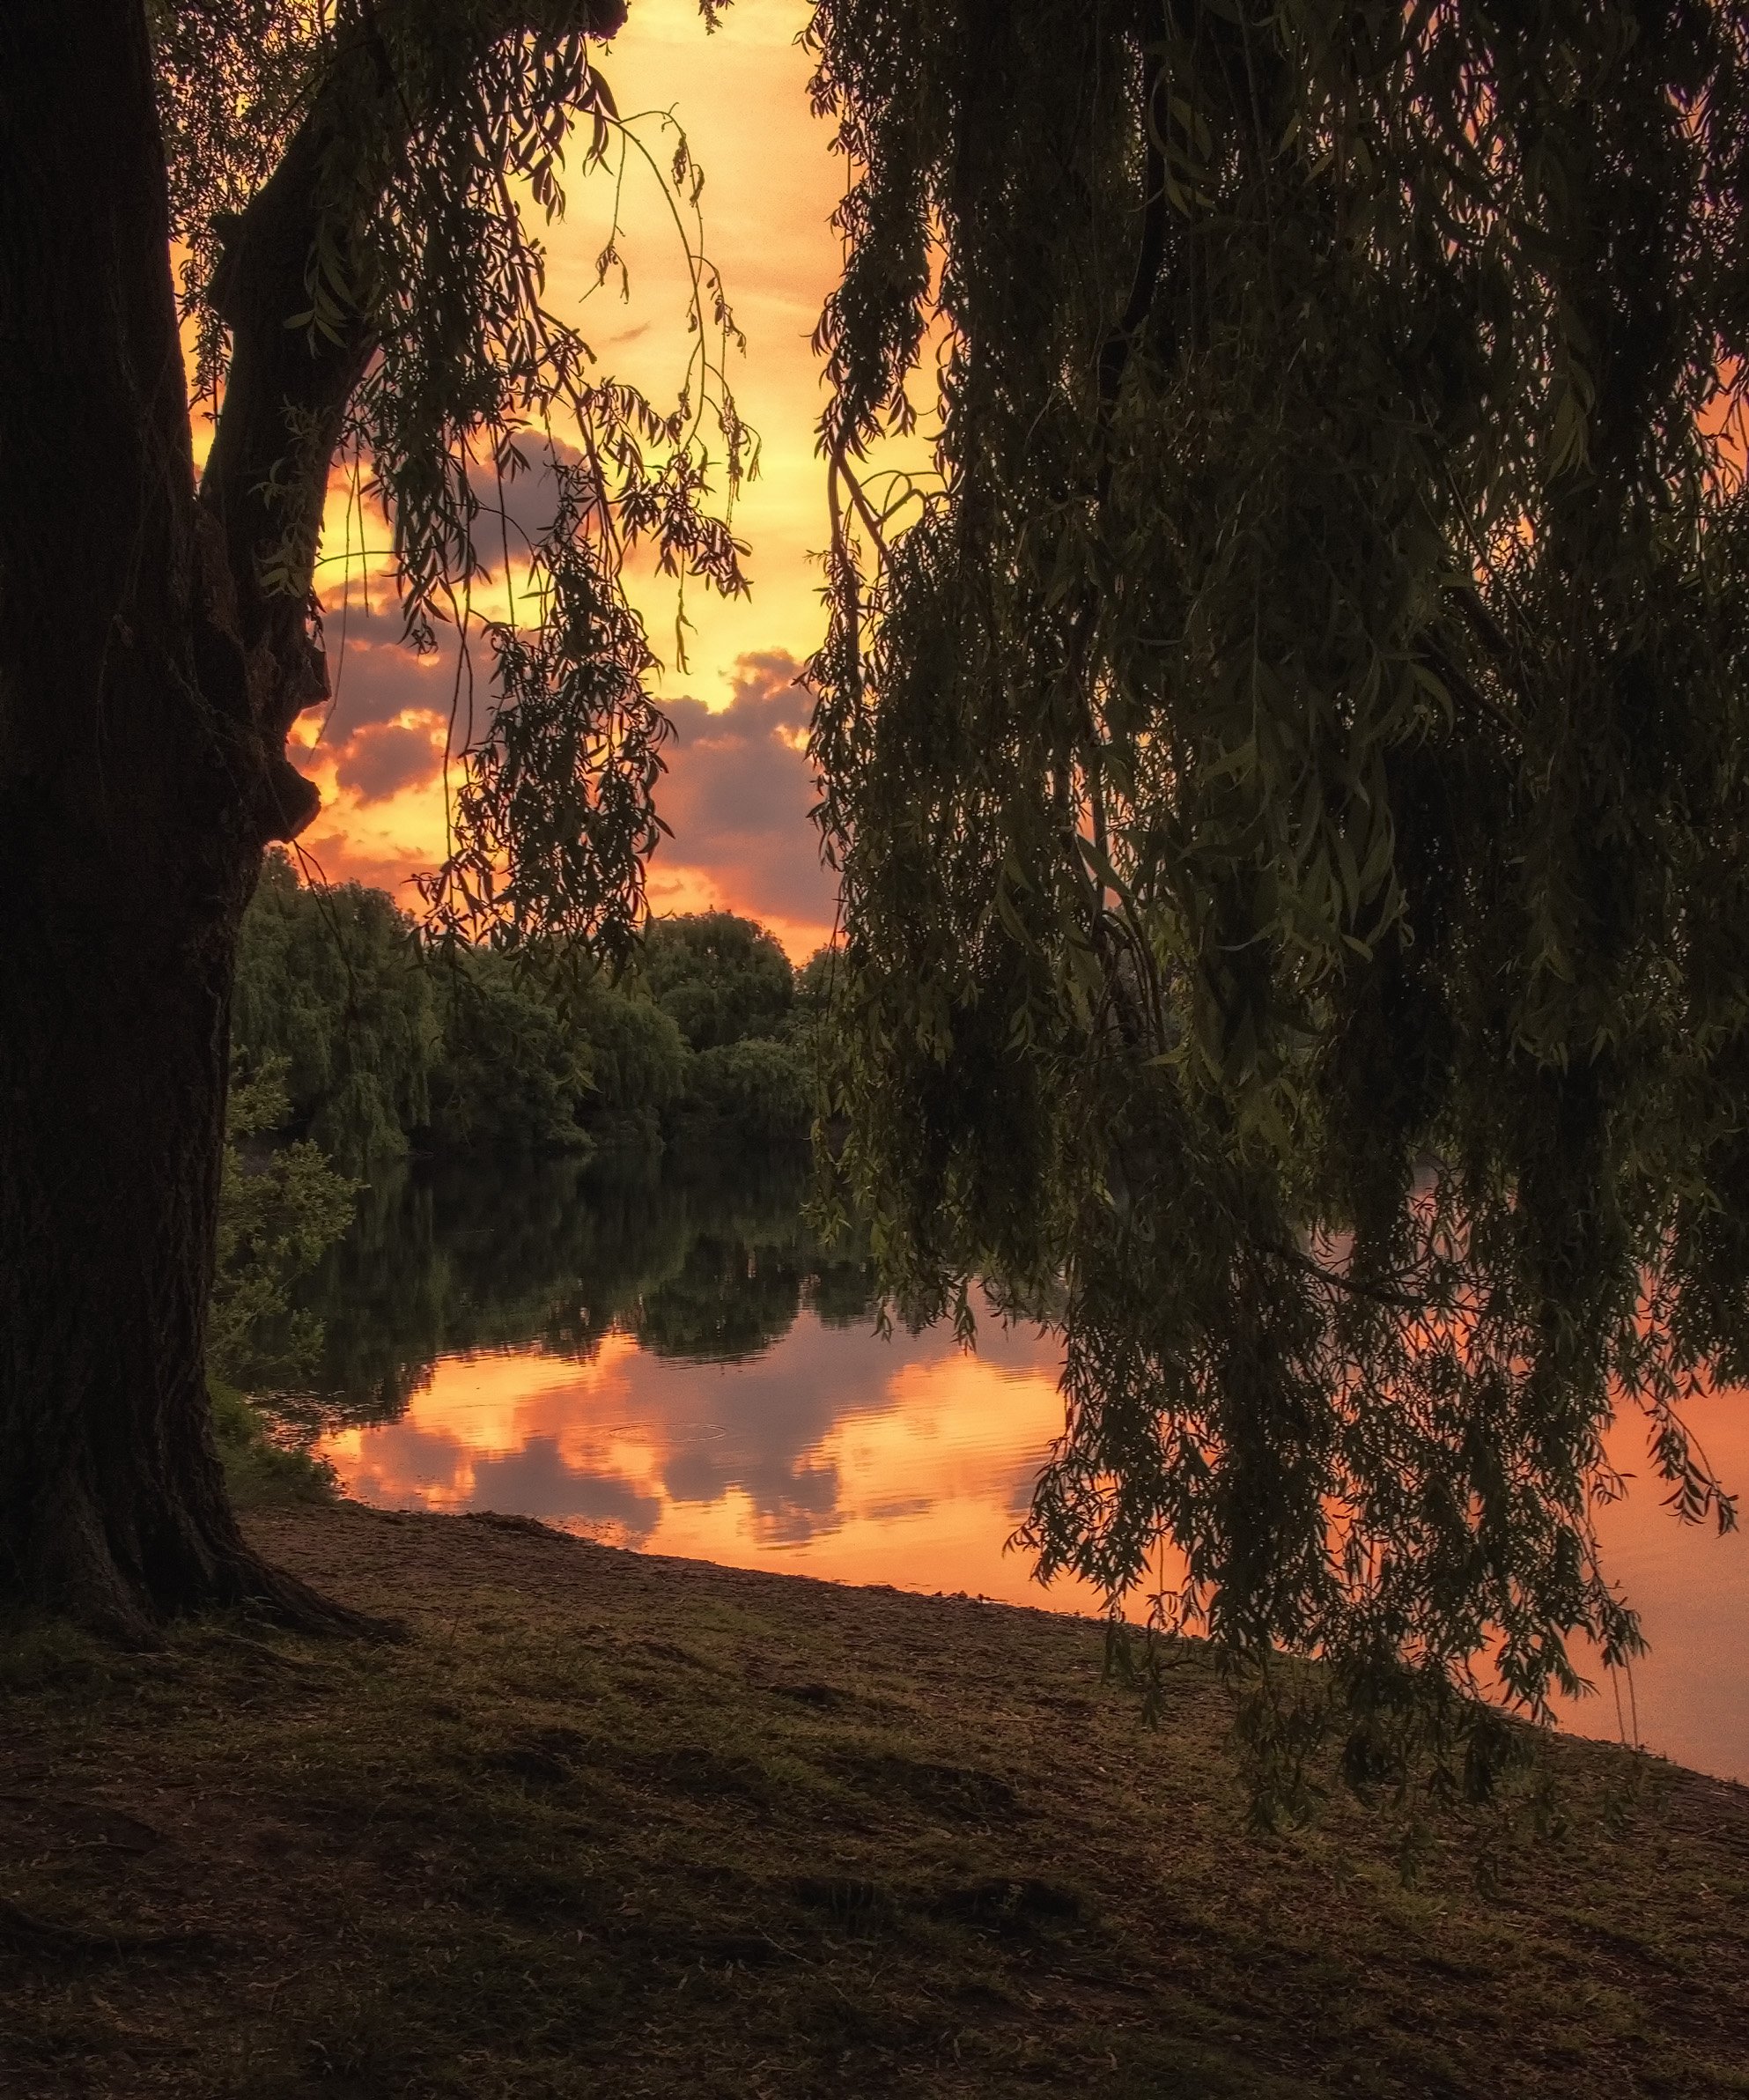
[[1299, 737]]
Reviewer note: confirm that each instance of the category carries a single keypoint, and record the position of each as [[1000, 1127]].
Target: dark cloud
[[379, 681], [518, 505], [383, 757], [738, 794], [376, 677]]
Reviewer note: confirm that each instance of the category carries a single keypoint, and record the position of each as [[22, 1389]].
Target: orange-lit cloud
[[904, 1462], [738, 795], [738, 792]]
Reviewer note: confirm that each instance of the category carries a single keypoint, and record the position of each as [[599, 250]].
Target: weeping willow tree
[[1285, 766], [357, 190], [1287, 769]]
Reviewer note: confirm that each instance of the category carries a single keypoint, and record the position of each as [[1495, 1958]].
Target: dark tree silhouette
[[1286, 773], [1287, 769], [345, 181]]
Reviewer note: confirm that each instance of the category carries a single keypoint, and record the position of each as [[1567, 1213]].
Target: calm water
[[665, 1359]]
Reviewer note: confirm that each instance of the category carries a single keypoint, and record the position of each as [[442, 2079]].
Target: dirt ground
[[608, 1824]]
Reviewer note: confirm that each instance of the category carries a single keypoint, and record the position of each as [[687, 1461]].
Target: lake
[[661, 1355]]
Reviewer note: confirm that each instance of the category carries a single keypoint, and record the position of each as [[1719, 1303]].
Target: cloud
[[384, 729], [519, 508], [737, 798], [376, 677], [736, 795], [383, 757]]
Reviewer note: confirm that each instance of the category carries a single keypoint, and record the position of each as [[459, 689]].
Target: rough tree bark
[[147, 682]]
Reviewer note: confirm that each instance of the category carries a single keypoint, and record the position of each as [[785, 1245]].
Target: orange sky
[[739, 793]]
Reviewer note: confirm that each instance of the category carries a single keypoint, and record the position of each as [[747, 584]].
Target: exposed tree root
[[270, 1596], [131, 1615]]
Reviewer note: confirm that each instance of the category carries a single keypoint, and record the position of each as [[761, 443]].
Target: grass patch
[[612, 1825]]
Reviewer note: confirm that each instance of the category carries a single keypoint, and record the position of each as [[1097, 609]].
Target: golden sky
[[739, 792]]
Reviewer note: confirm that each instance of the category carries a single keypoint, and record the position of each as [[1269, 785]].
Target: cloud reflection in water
[[671, 1364], [902, 1460]]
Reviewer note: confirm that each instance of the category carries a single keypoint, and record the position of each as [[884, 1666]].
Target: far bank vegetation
[[356, 1044]]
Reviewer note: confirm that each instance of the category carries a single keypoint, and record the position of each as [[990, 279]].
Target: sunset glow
[[920, 1478], [910, 1463], [739, 790], [914, 1472]]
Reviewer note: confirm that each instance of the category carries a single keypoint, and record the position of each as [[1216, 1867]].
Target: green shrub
[[280, 1207], [762, 1088]]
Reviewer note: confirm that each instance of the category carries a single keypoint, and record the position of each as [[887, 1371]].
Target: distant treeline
[[382, 1046], [354, 1045], [700, 1254]]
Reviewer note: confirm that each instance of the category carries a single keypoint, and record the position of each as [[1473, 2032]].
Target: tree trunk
[[141, 774]]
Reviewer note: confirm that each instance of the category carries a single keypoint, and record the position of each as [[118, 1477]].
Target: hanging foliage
[[400, 160], [1287, 776]]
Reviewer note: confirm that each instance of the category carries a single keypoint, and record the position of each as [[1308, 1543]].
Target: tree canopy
[[722, 977], [379, 1041], [330, 987], [377, 176]]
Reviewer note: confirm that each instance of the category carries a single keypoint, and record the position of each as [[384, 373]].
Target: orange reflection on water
[[1691, 1588], [838, 1454], [832, 1454]]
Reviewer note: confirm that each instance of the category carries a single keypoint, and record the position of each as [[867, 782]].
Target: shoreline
[[618, 1823], [1564, 1729]]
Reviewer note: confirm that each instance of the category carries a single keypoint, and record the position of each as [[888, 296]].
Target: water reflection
[[664, 1358], [709, 1264], [1691, 1588]]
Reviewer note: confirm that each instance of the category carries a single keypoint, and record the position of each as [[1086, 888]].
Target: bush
[[279, 1211], [764, 1088]]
